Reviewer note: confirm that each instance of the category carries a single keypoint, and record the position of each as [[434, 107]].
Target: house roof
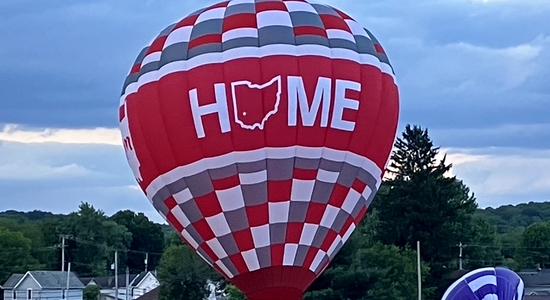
[[109, 281], [13, 280], [56, 279], [533, 278], [151, 295], [537, 297]]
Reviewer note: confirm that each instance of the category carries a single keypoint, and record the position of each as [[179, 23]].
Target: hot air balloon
[[487, 284], [260, 130]]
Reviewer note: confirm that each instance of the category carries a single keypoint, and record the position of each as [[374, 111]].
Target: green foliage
[[510, 218], [183, 274], [422, 202], [536, 245], [91, 292], [16, 254], [234, 293], [147, 237]]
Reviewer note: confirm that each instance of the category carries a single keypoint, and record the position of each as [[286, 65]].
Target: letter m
[[297, 97]]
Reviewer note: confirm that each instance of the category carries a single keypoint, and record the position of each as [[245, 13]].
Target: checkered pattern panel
[[253, 24], [272, 212]]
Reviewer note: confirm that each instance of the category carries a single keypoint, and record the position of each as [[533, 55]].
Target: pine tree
[[421, 201]]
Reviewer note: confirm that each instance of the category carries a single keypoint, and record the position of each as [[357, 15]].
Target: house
[[151, 295], [43, 285], [537, 283], [138, 285]]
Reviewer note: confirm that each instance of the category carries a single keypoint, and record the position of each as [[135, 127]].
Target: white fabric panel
[[273, 18], [356, 28], [477, 283], [253, 178], [251, 259], [239, 33], [189, 239], [224, 269], [340, 34], [212, 14], [218, 224], [231, 199], [155, 56], [260, 235], [235, 2], [348, 233], [308, 233], [317, 260], [180, 216], [327, 176], [215, 245], [278, 212], [180, 35], [183, 196], [302, 190], [351, 201], [290, 254], [329, 216], [299, 6]]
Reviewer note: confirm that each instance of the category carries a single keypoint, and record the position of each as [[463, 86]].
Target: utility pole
[[116, 275], [460, 246], [146, 261], [127, 282], [418, 265], [68, 280], [63, 237]]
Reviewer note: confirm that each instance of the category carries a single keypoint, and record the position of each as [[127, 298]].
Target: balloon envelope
[[261, 130], [487, 284]]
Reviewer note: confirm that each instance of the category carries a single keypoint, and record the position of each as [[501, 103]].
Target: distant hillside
[[35, 215], [509, 217]]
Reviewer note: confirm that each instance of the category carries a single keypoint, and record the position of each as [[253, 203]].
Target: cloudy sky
[[476, 73]]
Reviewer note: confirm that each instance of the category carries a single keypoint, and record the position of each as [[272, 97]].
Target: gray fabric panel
[[222, 173], [237, 219], [254, 194], [141, 55], [276, 35], [298, 211], [207, 27], [160, 197], [280, 169], [347, 175], [192, 211], [358, 207], [381, 57], [304, 18], [371, 197], [306, 164], [228, 243], [367, 178], [129, 79], [320, 236], [152, 66], [320, 266], [252, 167], [340, 220], [264, 256], [338, 248], [194, 234], [277, 233], [176, 186], [206, 48], [229, 265], [364, 45], [159, 205], [240, 42], [321, 192], [341, 43], [203, 253], [174, 52], [242, 8], [324, 9], [301, 255], [330, 165], [312, 40], [199, 184], [167, 30]]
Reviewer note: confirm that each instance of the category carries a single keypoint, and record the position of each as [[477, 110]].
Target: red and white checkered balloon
[[260, 129]]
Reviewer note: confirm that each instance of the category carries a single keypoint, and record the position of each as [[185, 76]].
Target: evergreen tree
[[421, 201]]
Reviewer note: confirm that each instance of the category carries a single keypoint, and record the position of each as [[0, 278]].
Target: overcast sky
[[476, 73]]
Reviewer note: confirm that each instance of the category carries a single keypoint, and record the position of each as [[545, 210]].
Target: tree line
[[418, 201]]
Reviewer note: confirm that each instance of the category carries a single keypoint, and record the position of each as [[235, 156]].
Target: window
[[29, 294]]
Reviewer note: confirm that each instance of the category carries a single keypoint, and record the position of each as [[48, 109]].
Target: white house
[[139, 284], [41, 285]]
